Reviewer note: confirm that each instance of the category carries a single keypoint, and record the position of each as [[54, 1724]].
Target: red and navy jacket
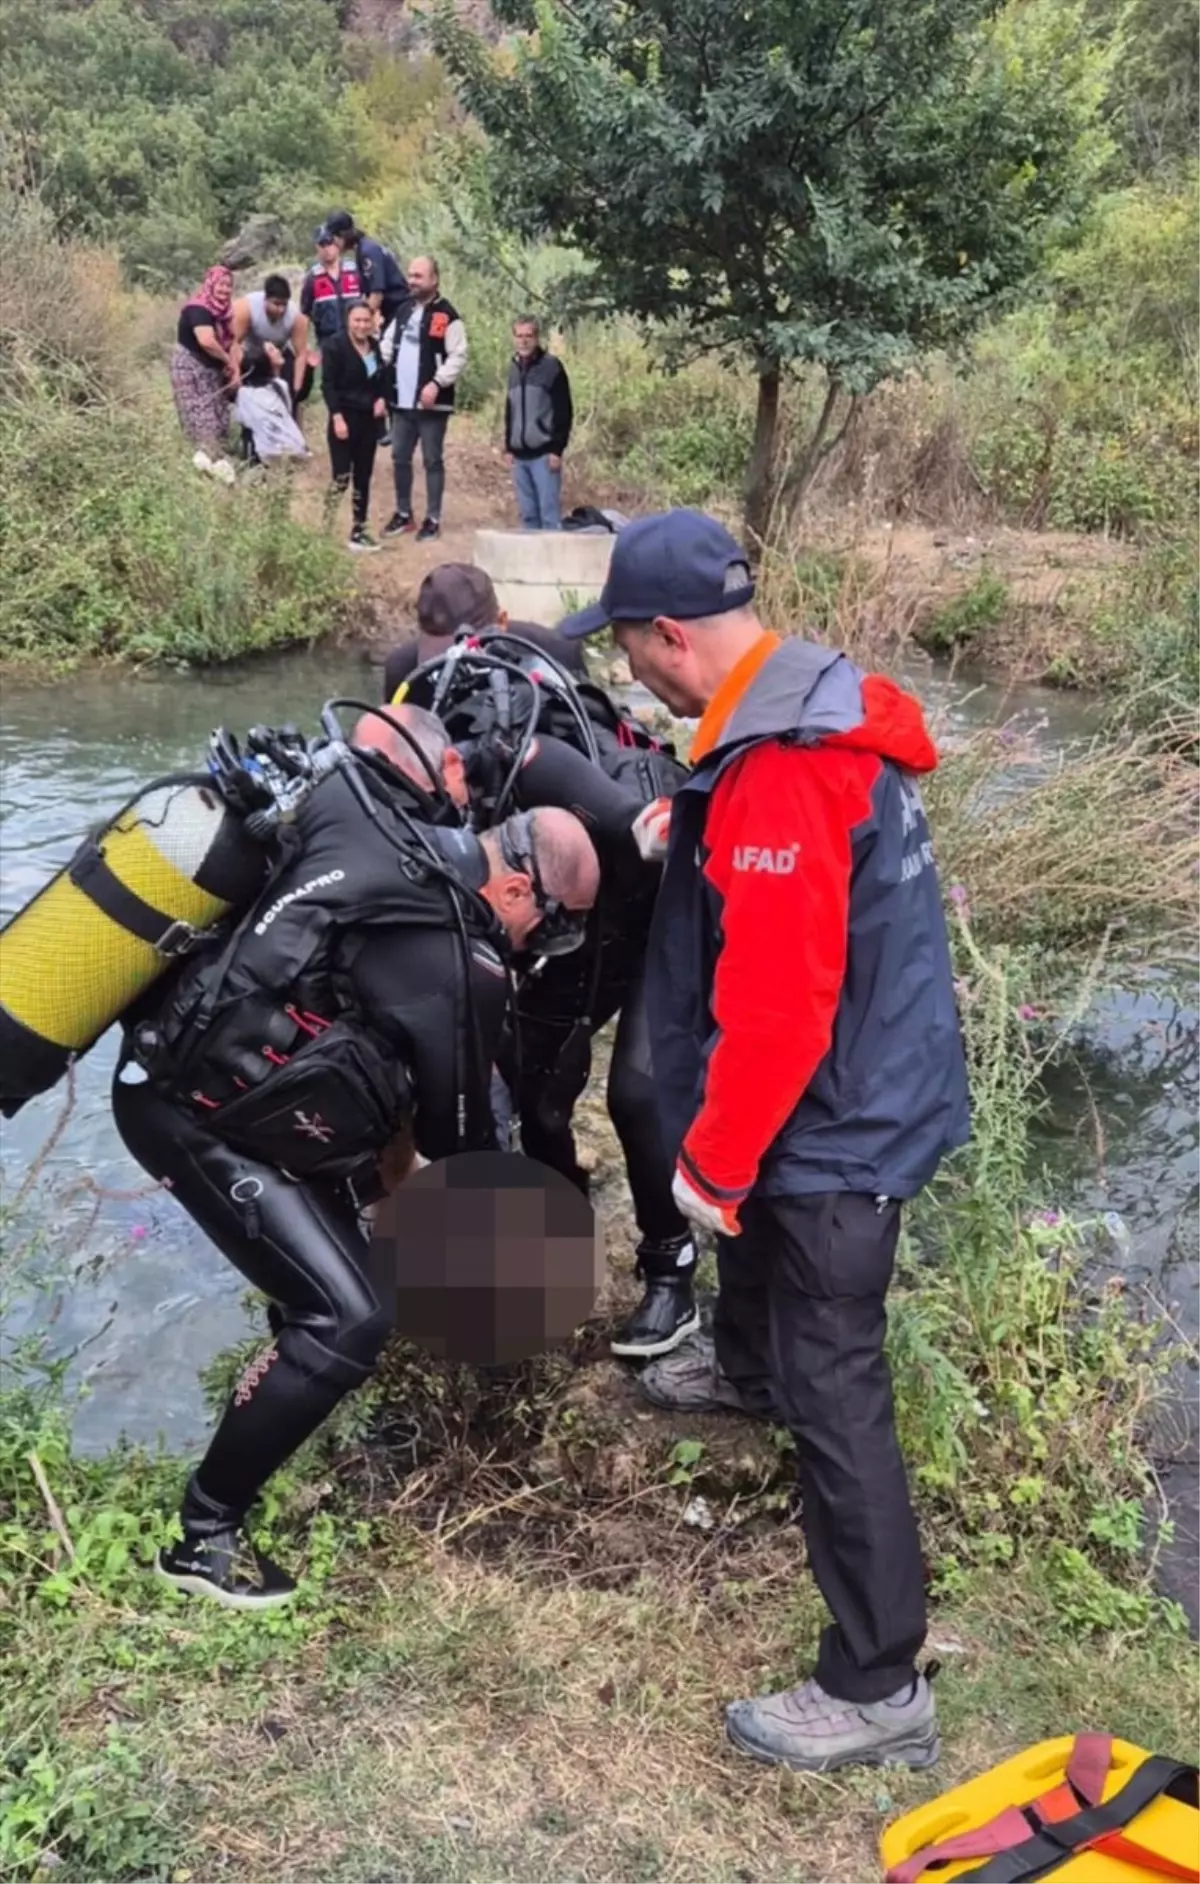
[[326, 299], [801, 998]]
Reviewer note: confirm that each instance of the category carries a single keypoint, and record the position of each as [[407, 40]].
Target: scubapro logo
[[777, 863], [303, 889]]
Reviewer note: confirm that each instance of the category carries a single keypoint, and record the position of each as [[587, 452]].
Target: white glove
[[651, 829], [704, 1212]]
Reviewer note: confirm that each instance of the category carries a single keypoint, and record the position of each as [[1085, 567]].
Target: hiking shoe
[[691, 1381], [224, 472], [429, 529], [813, 1732], [225, 1567], [399, 525], [362, 540]]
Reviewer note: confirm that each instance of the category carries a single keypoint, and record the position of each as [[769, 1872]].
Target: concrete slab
[[541, 575]]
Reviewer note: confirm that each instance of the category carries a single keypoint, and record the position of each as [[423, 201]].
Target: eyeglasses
[[561, 930]]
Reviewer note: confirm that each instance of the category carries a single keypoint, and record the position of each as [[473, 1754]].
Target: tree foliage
[[842, 185], [163, 123]]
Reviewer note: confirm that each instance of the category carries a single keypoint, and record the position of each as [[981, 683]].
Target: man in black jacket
[[367, 988], [537, 427], [425, 351]]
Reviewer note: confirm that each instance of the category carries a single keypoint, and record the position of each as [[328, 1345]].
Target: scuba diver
[[366, 987], [526, 734]]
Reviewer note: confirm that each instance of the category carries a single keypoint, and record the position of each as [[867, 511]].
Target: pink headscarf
[[206, 297]]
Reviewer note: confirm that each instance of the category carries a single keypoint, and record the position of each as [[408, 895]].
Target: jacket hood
[[817, 696]]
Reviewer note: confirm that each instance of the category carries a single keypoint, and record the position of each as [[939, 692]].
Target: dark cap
[[324, 234], [454, 596], [678, 563], [339, 222]]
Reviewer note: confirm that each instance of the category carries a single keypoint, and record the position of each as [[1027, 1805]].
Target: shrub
[[1023, 1381], [954, 626]]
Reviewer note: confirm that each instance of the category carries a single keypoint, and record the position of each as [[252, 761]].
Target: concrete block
[[541, 575]]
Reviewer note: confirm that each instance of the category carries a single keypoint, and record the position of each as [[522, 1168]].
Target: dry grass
[[1054, 848], [465, 1724], [63, 314]]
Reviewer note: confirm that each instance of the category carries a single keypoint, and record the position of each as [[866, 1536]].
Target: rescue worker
[[810, 1076], [382, 278], [367, 987], [562, 1005]]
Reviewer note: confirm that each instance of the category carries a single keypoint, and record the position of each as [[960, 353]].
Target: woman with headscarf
[[202, 368]]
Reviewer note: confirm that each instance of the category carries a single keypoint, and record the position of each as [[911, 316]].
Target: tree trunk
[[760, 478], [812, 454]]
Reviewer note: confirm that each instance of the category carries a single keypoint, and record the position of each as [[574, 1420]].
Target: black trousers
[[556, 1060], [353, 459], [301, 1245], [799, 1327]]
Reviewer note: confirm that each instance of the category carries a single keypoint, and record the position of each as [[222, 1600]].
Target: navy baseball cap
[[678, 563]]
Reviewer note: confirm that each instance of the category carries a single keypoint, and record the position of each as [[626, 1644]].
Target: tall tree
[[841, 184]]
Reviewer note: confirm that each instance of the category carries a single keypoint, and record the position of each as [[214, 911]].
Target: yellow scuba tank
[[139, 893]]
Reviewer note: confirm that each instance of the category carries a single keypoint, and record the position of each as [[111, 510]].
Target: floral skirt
[[199, 399]]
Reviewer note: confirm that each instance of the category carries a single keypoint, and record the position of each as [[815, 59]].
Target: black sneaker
[[225, 1567], [399, 525], [362, 541], [429, 529]]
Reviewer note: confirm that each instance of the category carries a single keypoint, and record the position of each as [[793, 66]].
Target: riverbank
[[490, 1699], [525, 1598], [171, 569]]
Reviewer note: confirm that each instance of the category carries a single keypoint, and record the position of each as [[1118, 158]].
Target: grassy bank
[[525, 1594], [113, 547]]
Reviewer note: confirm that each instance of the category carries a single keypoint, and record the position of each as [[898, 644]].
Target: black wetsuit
[[390, 969], [565, 1004]]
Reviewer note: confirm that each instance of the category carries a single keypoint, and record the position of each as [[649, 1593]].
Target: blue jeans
[[538, 491]]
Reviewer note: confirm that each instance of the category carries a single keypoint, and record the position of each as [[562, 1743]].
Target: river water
[[142, 1302]]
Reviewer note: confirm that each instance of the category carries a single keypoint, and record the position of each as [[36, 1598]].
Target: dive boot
[[215, 1558], [667, 1313]]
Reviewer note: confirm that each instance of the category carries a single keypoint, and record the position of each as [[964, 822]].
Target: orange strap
[[1116, 1845]]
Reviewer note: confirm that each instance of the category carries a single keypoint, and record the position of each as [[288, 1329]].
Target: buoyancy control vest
[[495, 693], [278, 994]]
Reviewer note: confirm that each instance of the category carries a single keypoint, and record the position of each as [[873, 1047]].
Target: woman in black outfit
[[351, 378]]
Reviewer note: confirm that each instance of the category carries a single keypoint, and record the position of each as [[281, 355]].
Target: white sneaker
[[224, 472], [202, 461]]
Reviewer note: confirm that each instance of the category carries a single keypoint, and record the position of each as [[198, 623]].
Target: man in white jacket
[[424, 350]]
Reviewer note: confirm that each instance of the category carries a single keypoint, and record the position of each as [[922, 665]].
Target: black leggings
[[353, 459], [550, 1086], [301, 1245]]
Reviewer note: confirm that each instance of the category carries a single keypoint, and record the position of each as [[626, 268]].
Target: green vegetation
[[957, 624], [112, 546], [757, 188], [161, 126], [512, 1580]]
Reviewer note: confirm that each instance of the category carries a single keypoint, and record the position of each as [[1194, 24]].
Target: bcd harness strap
[[1027, 1842], [90, 872]]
